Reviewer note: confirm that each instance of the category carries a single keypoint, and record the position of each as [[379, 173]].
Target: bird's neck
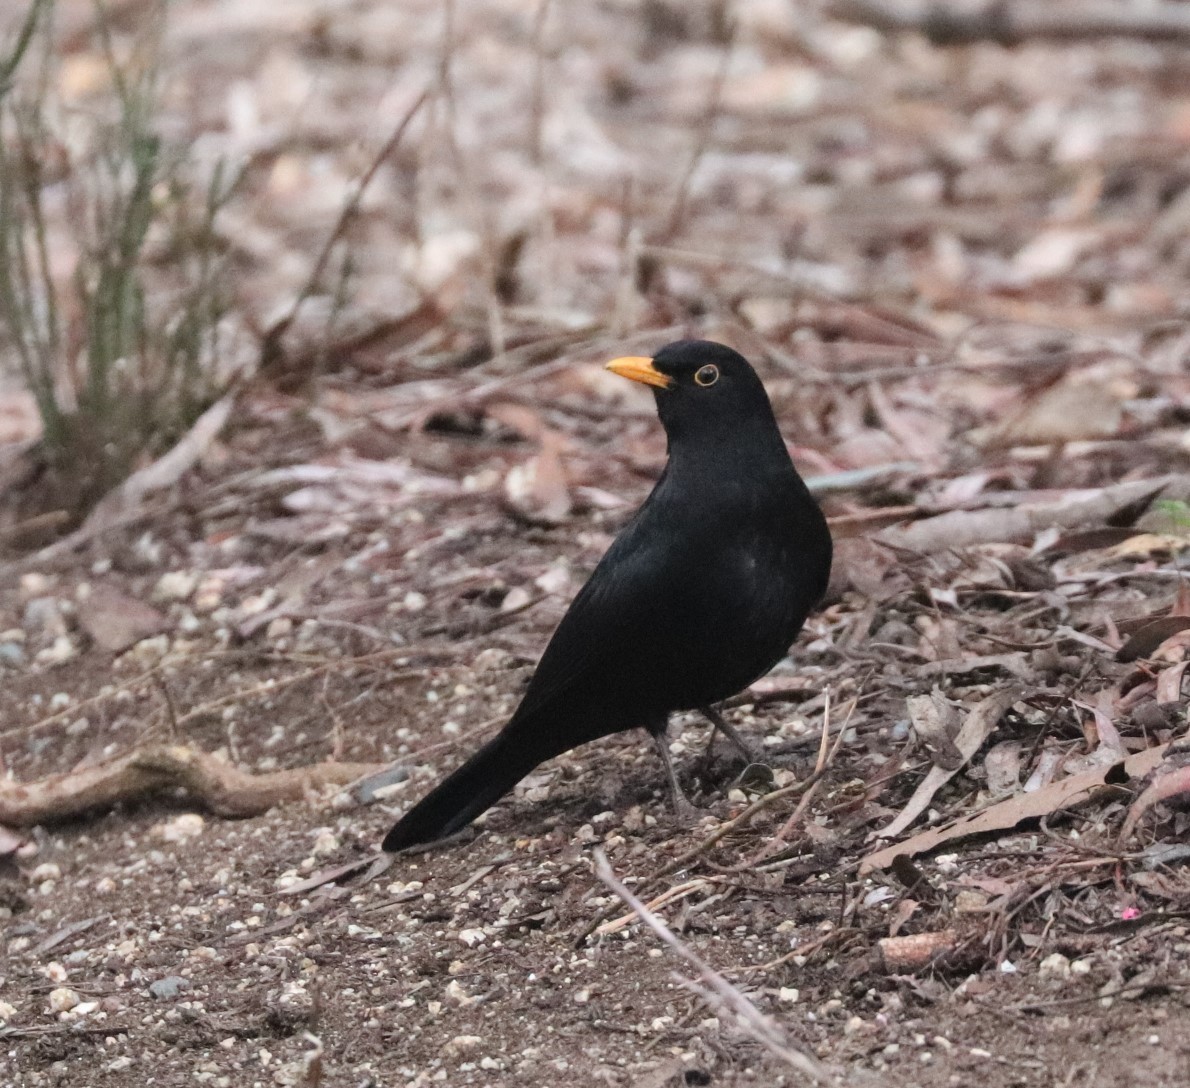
[[742, 457]]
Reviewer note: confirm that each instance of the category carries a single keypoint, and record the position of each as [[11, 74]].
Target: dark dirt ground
[[919, 247]]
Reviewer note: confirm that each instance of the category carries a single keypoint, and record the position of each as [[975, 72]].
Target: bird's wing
[[623, 609]]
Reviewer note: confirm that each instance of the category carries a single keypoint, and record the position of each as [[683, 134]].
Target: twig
[[706, 129], [802, 950], [24, 38], [714, 989], [163, 473], [580, 343], [125, 506], [537, 92], [171, 711], [721, 832], [270, 348], [678, 891], [826, 757]]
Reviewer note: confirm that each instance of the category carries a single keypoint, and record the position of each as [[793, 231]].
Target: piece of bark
[[917, 950]]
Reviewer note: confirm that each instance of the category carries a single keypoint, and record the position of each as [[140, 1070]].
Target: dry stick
[[171, 711], [537, 91], [726, 829], [721, 832], [806, 950], [1009, 23], [705, 130], [825, 760], [678, 891], [75, 709], [544, 225], [164, 472], [1042, 362], [718, 993], [268, 687], [624, 307], [694, 258], [468, 186], [349, 209], [586, 344], [126, 505], [224, 789], [325, 665], [48, 522]]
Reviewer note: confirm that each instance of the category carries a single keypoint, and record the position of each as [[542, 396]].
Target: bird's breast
[[743, 605]]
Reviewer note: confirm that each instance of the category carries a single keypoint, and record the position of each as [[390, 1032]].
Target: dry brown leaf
[[116, 621], [863, 565], [538, 488], [1143, 642], [1167, 783], [901, 914], [1007, 814], [1071, 411], [1169, 684], [1140, 544], [976, 728]]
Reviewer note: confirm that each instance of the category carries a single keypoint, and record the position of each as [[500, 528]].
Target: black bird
[[702, 592]]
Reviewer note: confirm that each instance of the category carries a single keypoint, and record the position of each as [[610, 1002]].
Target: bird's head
[[700, 387]]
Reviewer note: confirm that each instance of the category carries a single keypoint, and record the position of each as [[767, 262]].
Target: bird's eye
[[706, 375]]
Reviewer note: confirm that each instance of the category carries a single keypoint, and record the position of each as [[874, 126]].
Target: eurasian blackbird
[[702, 592]]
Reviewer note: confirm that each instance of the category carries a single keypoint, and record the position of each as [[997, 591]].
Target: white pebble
[[63, 999]]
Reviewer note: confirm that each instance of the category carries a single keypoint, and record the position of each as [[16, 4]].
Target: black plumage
[[702, 592]]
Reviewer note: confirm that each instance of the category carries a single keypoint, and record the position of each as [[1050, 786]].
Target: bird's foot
[[685, 814], [721, 725]]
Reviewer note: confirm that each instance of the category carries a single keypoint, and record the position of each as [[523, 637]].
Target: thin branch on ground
[[715, 990], [220, 787], [826, 758]]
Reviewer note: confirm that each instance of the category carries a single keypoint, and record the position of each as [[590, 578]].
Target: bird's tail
[[473, 788]]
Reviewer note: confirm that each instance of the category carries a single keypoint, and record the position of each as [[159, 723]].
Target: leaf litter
[[960, 273]]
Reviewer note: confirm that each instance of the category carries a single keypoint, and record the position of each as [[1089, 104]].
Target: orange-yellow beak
[[639, 368]]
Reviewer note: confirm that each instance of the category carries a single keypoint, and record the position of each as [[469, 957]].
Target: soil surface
[[962, 272]]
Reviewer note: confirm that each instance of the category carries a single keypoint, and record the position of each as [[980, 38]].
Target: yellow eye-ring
[[707, 375]]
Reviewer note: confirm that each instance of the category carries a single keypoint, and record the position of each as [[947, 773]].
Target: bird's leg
[[721, 724], [683, 809]]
